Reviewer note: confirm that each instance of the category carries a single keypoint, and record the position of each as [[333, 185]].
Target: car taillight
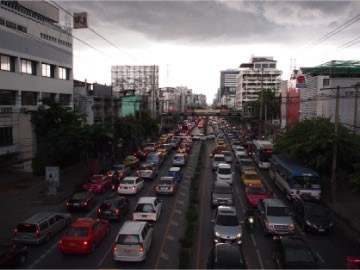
[[116, 211], [85, 243], [138, 172], [171, 188], [157, 188], [15, 231], [152, 171], [115, 248], [37, 233], [99, 210], [67, 203], [133, 187], [141, 248], [84, 203]]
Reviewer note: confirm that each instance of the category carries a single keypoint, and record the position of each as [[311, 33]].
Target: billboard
[[80, 20]]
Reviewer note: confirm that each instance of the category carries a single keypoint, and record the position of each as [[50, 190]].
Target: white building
[[169, 99], [35, 64], [260, 73], [228, 101]]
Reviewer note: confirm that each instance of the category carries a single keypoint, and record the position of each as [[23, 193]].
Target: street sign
[[80, 20]]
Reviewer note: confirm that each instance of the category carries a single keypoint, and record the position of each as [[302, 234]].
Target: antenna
[[167, 74]]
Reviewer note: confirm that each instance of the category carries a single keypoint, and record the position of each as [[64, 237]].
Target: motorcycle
[[250, 221]]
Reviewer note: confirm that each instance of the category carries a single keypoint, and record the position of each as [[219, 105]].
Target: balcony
[[8, 150]]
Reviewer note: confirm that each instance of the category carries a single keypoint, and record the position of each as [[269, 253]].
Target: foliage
[[311, 142], [355, 178]]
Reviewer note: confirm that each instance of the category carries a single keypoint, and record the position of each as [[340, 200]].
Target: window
[[257, 65], [28, 67], [2, 21], [7, 97], [326, 82], [265, 65], [6, 136], [48, 96], [46, 70], [273, 65], [64, 99], [22, 28], [11, 25], [44, 225], [5, 62], [63, 73], [28, 98]]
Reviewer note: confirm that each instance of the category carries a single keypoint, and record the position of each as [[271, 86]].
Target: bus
[[261, 153], [293, 178]]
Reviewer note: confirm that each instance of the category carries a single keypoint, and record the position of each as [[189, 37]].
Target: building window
[[5, 63], [64, 99], [2, 21], [63, 73], [47, 70], [22, 28], [6, 136], [26, 66], [7, 97], [265, 65], [273, 65], [11, 25], [28, 98], [48, 96], [326, 82], [257, 65]]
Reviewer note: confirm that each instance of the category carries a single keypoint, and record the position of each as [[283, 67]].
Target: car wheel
[[21, 260]]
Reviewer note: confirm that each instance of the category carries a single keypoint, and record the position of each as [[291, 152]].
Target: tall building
[[228, 81], [170, 99], [199, 100], [260, 73], [35, 64]]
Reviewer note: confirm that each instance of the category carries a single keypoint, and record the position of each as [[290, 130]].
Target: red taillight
[[171, 188], [67, 203], [15, 231], [116, 211], [115, 248], [133, 187], [99, 210], [152, 171], [37, 233], [138, 172], [141, 248], [85, 243], [157, 188], [60, 242], [84, 203]]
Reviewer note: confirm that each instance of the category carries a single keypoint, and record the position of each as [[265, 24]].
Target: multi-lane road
[[331, 250]]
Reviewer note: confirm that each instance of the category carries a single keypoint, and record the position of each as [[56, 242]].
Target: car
[[13, 255], [176, 173], [141, 154], [228, 156], [221, 143], [292, 252], [221, 194], [40, 227], [250, 177], [255, 193], [179, 159], [211, 136], [131, 161], [182, 149], [225, 256], [147, 208], [131, 185], [353, 262], [275, 217], [114, 209], [247, 164], [98, 183], [224, 173], [239, 151], [163, 150], [166, 185], [312, 215], [155, 159], [216, 151], [227, 227], [117, 173], [150, 147], [133, 241], [216, 160], [234, 143], [83, 200], [84, 235], [147, 171]]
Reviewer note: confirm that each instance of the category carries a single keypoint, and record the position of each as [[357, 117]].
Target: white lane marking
[[164, 256], [241, 202], [178, 211], [182, 193], [180, 202], [104, 257], [184, 187], [321, 259], [169, 237], [43, 256], [260, 260], [174, 223], [253, 239]]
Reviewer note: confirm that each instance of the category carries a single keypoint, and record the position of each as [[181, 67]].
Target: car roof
[[249, 172], [226, 210], [274, 202], [146, 199], [81, 222], [174, 169], [224, 166], [166, 178], [221, 184], [219, 155], [131, 227], [38, 217], [179, 154], [228, 253], [130, 178]]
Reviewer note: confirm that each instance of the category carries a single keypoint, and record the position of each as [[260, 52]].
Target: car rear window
[[27, 228], [77, 232], [145, 167], [223, 190], [166, 182], [79, 196], [127, 182], [178, 157], [144, 207], [224, 171], [128, 239], [219, 159]]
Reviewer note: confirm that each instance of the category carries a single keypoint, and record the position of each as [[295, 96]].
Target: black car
[[312, 215], [292, 252], [12, 255], [115, 209], [225, 256], [83, 200]]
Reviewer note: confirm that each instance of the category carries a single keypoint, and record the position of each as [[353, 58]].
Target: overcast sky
[[192, 41]]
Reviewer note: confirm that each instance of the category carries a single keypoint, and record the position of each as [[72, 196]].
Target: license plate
[[164, 188], [321, 230], [143, 215], [76, 204], [228, 241], [72, 244], [107, 212]]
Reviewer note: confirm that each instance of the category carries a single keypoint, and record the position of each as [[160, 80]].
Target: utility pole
[[112, 124], [335, 148], [261, 101], [356, 106]]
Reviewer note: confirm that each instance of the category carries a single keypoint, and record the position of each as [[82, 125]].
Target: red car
[[353, 262], [83, 236], [254, 193], [98, 183]]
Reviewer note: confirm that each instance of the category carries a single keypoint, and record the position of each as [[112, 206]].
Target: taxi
[[251, 178], [131, 161], [220, 143], [163, 150]]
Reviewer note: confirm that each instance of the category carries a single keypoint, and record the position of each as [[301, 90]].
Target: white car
[[240, 151], [216, 160], [147, 208], [224, 173], [179, 159], [131, 185], [228, 156]]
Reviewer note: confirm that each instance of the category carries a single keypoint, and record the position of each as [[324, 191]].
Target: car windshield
[[258, 191], [251, 176], [127, 182], [298, 254], [128, 239], [77, 232], [145, 167], [178, 157], [223, 190], [227, 220], [219, 159], [144, 207], [277, 211], [224, 171]]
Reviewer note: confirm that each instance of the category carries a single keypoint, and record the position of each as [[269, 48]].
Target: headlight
[[217, 234], [251, 220], [238, 235], [292, 226], [308, 223], [269, 225]]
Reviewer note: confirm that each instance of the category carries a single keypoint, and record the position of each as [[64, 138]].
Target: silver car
[[221, 194], [216, 160], [166, 185], [228, 156], [227, 227], [275, 217]]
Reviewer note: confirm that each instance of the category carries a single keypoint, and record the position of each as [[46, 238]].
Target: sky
[[192, 41]]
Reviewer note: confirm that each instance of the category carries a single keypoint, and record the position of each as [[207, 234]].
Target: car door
[[148, 235], [98, 233]]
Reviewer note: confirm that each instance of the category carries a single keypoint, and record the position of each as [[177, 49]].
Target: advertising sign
[[80, 20]]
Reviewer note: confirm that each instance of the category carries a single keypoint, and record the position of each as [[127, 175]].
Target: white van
[[224, 173], [148, 208], [133, 241]]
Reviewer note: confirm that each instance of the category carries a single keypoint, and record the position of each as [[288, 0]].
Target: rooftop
[[337, 68]]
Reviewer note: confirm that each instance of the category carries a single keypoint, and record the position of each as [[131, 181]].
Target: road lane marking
[[169, 237], [253, 239], [164, 256], [321, 259], [260, 260], [178, 211], [43, 256], [104, 257]]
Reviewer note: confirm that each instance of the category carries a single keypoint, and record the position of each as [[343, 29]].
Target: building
[[35, 64], [170, 99], [186, 100], [259, 74], [199, 100], [316, 101], [228, 81]]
